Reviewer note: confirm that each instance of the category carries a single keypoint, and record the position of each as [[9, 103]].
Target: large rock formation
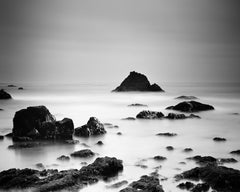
[[93, 127], [54, 180], [191, 106], [137, 82], [4, 95], [38, 123]]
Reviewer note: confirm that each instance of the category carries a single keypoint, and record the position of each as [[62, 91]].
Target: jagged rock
[[137, 105], [137, 82], [85, 153], [144, 184], [4, 95], [219, 139], [167, 134], [184, 97], [54, 180], [149, 115], [191, 106], [203, 160], [63, 158], [237, 152], [93, 127], [220, 178], [38, 123]]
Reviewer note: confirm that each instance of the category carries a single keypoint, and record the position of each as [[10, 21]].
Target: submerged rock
[[4, 95], [137, 82], [38, 123], [204, 160], [129, 118], [191, 106], [145, 184], [184, 97], [218, 177], [85, 153], [23, 145], [149, 115], [137, 105], [167, 134], [93, 127], [11, 85], [219, 139], [54, 180]]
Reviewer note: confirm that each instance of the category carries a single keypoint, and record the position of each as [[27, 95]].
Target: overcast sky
[[103, 40]]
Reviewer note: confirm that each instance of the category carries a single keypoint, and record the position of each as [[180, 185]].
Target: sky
[[77, 41]]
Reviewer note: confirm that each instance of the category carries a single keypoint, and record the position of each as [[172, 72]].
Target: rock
[[184, 97], [4, 95], [9, 135], [159, 158], [219, 178], [204, 160], [191, 106], [137, 82], [149, 115], [119, 133], [237, 152], [23, 145], [187, 185], [40, 166], [93, 127], [144, 184], [1, 109], [219, 139], [38, 123], [20, 88], [170, 148], [54, 180], [63, 158], [188, 150], [180, 116], [107, 124], [71, 142], [12, 85], [99, 143], [118, 184], [167, 134], [201, 187], [227, 160], [129, 118], [1, 137], [137, 105], [22, 139], [85, 153]]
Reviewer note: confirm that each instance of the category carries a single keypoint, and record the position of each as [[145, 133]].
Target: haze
[[102, 41]]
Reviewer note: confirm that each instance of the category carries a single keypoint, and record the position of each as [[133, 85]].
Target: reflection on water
[[138, 142]]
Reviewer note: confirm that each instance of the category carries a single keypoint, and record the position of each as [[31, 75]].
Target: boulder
[[38, 123], [4, 95], [20, 88], [170, 148], [191, 106], [219, 178], [149, 115], [85, 153], [93, 127], [187, 185], [66, 180], [137, 82], [63, 158], [188, 150], [144, 184], [219, 139], [159, 158], [173, 116], [201, 187]]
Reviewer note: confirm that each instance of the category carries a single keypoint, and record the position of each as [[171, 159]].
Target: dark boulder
[[159, 158], [137, 82], [201, 187], [4, 95], [184, 97], [93, 127], [188, 150], [167, 134], [219, 139], [218, 177], [237, 152], [149, 115], [38, 123], [191, 106], [227, 160], [170, 148], [204, 160], [20, 88], [9, 135], [99, 143], [1, 137], [85, 153], [187, 185], [145, 184], [12, 85]]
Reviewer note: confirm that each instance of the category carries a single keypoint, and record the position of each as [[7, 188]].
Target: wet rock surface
[[220, 178], [85, 153], [191, 106], [4, 95], [137, 82], [145, 184], [93, 128], [54, 180], [149, 115]]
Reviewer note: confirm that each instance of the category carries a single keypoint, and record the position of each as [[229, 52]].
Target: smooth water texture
[[138, 143]]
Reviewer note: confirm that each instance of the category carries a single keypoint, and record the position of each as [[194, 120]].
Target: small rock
[[23, 145], [201, 187], [129, 118], [4, 95], [159, 158], [99, 143], [170, 148], [9, 135], [149, 115], [191, 106], [137, 105], [119, 133], [63, 158], [167, 134], [187, 185], [186, 97], [188, 150], [85, 153], [1, 137], [237, 152], [40, 166], [12, 85], [219, 139]]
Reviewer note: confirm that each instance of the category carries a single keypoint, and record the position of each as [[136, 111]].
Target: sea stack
[[137, 82]]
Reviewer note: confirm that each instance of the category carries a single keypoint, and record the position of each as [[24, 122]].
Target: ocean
[[138, 143]]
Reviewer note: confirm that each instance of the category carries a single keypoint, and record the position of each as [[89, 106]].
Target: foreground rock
[[184, 97], [54, 180], [149, 115], [137, 82], [83, 153], [180, 116], [4, 95], [220, 178], [38, 123], [145, 184], [93, 127], [191, 106]]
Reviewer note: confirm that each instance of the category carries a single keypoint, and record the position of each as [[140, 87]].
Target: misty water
[[138, 143]]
